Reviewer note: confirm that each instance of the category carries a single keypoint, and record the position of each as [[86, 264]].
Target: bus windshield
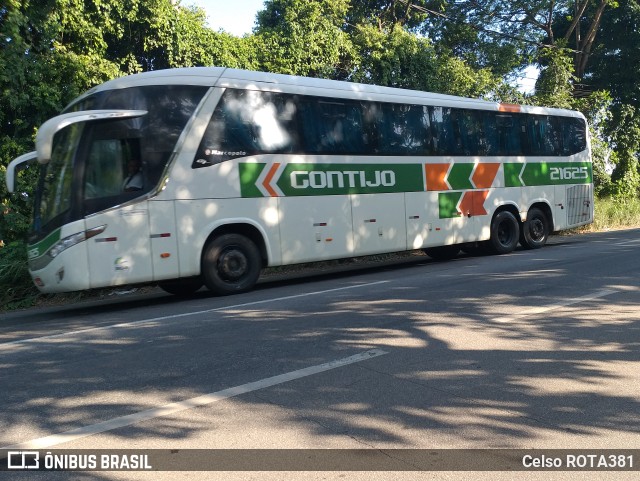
[[56, 178], [103, 163]]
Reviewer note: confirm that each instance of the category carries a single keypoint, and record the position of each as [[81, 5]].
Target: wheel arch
[[247, 228], [509, 207], [544, 206]]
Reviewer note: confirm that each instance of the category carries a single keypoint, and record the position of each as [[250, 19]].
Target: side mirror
[[16, 165], [44, 137]]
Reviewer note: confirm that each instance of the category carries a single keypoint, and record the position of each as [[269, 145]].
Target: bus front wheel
[[231, 264], [535, 230], [505, 233]]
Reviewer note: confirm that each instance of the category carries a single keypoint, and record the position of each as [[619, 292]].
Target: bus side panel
[[422, 220], [198, 219], [434, 219], [546, 194], [315, 228], [379, 223], [164, 240]]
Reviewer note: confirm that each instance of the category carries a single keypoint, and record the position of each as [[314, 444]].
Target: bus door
[[113, 185]]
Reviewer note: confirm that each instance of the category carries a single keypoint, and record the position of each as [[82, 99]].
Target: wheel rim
[[232, 264], [536, 229], [505, 233]]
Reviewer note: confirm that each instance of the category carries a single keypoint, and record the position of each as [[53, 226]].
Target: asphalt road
[[531, 350]]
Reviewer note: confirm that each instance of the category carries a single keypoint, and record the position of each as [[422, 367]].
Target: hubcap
[[505, 233], [536, 229], [232, 264]]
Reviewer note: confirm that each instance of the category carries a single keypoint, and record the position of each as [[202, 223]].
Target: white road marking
[[553, 307], [204, 400], [184, 314], [631, 243]]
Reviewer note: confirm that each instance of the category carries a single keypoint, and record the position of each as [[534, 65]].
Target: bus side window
[[333, 127], [504, 134], [574, 133], [442, 129], [404, 130], [544, 136], [247, 122]]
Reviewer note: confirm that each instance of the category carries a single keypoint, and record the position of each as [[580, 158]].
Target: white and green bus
[[239, 170]]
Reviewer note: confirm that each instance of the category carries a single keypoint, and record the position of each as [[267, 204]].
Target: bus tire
[[505, 233], [181, 287], [231, 264], [442, 253], [535, 230]]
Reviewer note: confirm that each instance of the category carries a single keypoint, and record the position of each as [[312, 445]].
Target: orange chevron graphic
[[436, 176], [472, 203], [484, 175], [267, 180]]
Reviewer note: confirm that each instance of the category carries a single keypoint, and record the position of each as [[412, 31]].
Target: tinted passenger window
[[442, 128], [574, 133], [404, 130], [334, 127], [503, 133], [247, 122], [544, 136]]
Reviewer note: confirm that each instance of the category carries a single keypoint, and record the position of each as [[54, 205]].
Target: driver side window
[[113, 173]]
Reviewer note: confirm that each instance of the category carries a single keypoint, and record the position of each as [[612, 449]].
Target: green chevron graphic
[[447, 204], [459, 176]]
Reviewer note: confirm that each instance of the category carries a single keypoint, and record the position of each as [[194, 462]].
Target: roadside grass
[[16, 287], [612, 214], [18, 292]]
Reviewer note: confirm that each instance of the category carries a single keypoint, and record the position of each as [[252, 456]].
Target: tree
[[512, 31], [301, 37], [397, 58], [625, 136], [386, 14], [615, 63]]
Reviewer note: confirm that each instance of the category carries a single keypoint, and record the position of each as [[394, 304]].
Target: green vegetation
[[586, 51], [616, 213]]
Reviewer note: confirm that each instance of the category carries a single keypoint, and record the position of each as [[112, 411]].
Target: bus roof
[[235, 78]]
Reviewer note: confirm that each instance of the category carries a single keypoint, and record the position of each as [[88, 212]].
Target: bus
[[238, 170]]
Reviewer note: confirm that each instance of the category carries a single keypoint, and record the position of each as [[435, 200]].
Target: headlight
[[73, 239]]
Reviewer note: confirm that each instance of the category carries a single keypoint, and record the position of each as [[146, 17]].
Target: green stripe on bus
[[39, 248], [459, 176], [339, 179], [556, 173], [547, 173], [512, 175], [249, 174], [448, 204], [297, 179]]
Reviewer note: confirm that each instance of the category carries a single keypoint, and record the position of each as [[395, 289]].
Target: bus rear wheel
[[505, 233], [535, 230], [231, 264]]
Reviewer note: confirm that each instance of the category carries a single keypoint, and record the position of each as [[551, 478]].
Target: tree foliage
[[299, 37]]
